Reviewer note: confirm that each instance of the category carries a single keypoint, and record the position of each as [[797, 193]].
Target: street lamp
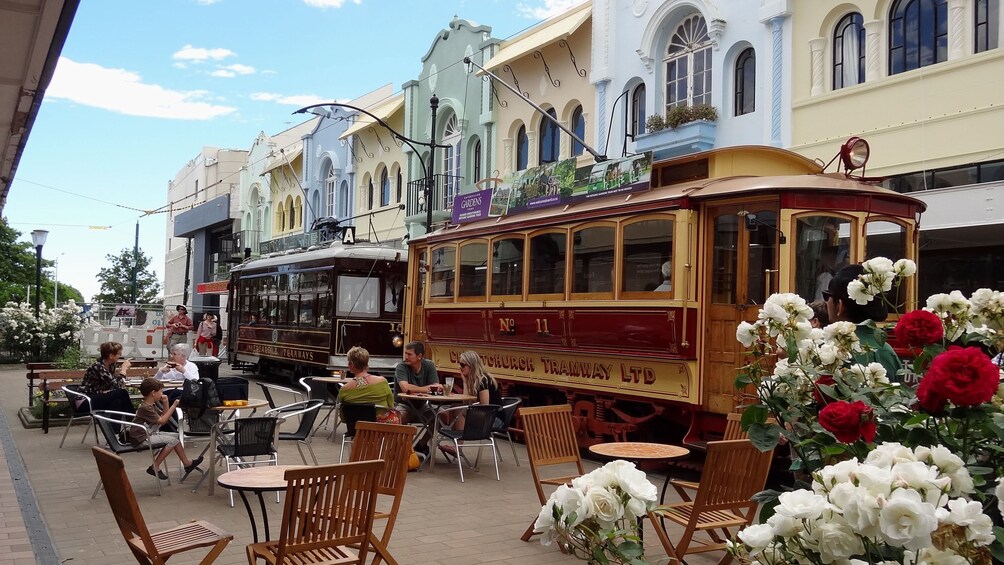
[[38, 238], [432, 145]]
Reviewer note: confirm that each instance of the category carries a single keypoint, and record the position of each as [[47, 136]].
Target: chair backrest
[[74, 395], [122, 499], [722, 486], [254, 436], [357, 412], [328, 506], [550, 440], [202, 425], [106, 420], [389, 442], [317, 391], [508, 411], [733, 427], [307, 411], [479, 421]]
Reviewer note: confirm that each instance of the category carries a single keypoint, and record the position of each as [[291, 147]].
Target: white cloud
[[199, 54], [206, 2], [294, 100], [549, 9], [119, 90], [223, 73], [231, 71], [328, 3]]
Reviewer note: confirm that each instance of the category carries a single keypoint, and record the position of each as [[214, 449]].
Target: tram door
[[741, 273]]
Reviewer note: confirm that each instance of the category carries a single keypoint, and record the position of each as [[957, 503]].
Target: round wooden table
[[641, 451], [439, 402], [259, 480]]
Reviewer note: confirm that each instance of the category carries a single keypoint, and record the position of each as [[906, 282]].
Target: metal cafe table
[[259, 480], [438, 403]]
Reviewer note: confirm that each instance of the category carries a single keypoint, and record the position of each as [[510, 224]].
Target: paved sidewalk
[[441, 521]]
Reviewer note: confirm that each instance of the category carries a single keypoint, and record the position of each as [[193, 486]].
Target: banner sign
[[472, 206], [215, 287]]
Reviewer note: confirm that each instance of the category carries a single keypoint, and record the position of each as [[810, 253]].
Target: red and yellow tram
[[626, 306]]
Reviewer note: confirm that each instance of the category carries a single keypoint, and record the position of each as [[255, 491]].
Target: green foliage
[[17, 271], [679, 115], [116, 279], [44, 338], [655, 123], [73, 358]]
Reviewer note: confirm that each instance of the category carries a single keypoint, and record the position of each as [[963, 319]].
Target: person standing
[[178, 326], [207, 334], [416, 375]]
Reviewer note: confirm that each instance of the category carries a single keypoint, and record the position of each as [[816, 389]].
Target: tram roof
[[682, 195], [334, 251]]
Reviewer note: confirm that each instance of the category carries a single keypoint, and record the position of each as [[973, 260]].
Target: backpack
[[200, 395]]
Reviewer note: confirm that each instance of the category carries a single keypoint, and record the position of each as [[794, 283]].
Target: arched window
[[849, 51], [384, 188], [369, 193], [297, 214], [688, 64], [745, 95], [549, 140], [986, 25], [522, 149], [329, 189], [343, 200], [579, 127], [400, 186], [637, 111], [476, 165], [452, 137], [918, 34]]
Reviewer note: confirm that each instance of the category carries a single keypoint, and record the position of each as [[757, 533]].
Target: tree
[[116, 280], [17, 271]]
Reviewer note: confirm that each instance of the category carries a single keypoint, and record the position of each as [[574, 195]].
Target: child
[[154, 412]]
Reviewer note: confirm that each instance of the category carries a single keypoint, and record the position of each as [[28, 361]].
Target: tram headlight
[[854, 153], [397, 341]]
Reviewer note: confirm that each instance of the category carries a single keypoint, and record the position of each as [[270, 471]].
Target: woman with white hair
[[667, 278]]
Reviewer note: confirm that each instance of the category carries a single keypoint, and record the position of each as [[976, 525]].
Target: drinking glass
[[448, 386]]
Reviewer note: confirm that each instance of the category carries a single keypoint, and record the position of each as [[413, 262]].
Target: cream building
[[922, 81], [283, 206]]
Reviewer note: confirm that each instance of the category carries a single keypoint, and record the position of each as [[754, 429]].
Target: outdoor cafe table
[[438, 403], [641, 451], [259, 480], [235, 412]]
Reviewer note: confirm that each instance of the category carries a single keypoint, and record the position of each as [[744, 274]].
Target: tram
[[625, 304], [297, 314]]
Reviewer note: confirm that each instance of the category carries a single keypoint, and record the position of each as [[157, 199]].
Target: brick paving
[[441, 520]]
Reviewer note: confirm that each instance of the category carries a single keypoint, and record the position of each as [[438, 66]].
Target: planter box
[[688, 138]]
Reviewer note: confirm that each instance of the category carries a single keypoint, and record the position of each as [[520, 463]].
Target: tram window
[[724, 259], [444, 265], [293, 310], [823, 247], [281, 315], [473, 269], [547, 263], [324, 310], [283, 283], [887, 239], [507, 266], [294, 282], [323, 282], [648, 256], [762, 256], [307, 310], [393, 295], [593, 255], [358, 297], [265, 314], [422, 273]]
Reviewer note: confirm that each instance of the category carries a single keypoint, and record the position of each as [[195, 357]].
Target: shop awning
[[542, 36], [281, 158], [383, 111], [215, 287]]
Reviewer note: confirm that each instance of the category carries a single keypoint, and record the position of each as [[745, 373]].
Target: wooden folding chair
[[327, 510], [733, 472], [733, 431], [148, 547], [550, 440], [392, 443]]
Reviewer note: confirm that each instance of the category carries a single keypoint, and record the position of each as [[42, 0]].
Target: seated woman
[[105, 384], [477, 382], [841, 308], [365, 388]]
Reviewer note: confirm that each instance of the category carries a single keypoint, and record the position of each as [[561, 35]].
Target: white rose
[[862, 514], [746, 334], [857, 292], [876, 481], [569, 501], [544, 523], [907, 521], [632, 480], [932, 556], [801, 505], [757, 537], [785, 526], [828, 353], [835, 539], [961, 482], [606, 506], [999, 493], [888, 454], [905, 268]]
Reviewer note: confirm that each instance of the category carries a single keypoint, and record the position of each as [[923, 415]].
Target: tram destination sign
[[561, 182]]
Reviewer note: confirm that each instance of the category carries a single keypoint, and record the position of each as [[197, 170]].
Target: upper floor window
[[384, 188], [849, 51], [476, 168], [451, 161], [688, 64], [369, 194], [400, 186], [986, 25], [522, 149], [549, 140], [329, 189], [918, 34], [579, 127], [745, 95], [343, 200], [637, 111]]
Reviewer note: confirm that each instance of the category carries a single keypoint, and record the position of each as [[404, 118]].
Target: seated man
[[415, 375]]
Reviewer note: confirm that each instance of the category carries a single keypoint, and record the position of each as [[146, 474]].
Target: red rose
[[920, 328], [963, 375], [848, 421], [928, 398], [817, 393]]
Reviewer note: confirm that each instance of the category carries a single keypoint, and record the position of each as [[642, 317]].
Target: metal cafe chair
[[306, 411], [477, 432], [251, 438], [81, 408], [106, 421]]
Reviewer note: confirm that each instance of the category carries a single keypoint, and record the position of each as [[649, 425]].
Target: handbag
[[199, 395]]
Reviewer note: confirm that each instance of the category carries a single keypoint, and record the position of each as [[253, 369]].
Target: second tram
[[626, 306]]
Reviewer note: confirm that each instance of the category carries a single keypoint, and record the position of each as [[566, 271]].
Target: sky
[[141, 87]]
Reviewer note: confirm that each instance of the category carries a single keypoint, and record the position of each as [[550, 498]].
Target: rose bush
[[936, 446], [42, 338]]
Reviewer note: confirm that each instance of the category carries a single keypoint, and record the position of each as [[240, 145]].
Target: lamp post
[[427, 170], [38, 238]]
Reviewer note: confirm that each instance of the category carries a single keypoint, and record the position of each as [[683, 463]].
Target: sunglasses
[[827, 295], [464, 365]]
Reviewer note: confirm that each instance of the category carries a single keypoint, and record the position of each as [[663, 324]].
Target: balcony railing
[[444, 189], [294, 241]]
